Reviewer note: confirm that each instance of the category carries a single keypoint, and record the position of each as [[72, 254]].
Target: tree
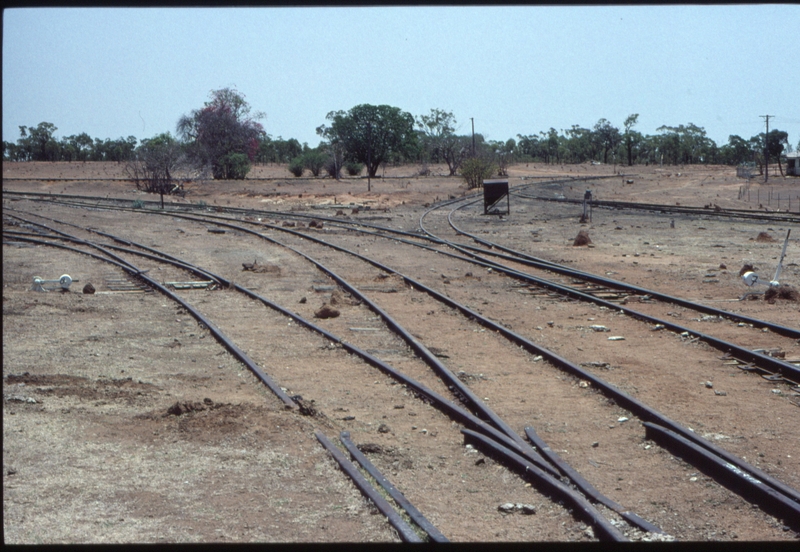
[[155, 163], [38, 143], [371, 134], [686, 144], [440, 140], [607, 137], [629, 123], [550, 146], [578, 144], [528, 146], [736, 151], [777, 140], [220, 133], [502, 153]]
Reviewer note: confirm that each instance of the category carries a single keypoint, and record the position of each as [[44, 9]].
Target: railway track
[[710, 212], [551, 480], [463, 394]]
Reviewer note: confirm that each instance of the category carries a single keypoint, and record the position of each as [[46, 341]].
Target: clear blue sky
[[114, 72]]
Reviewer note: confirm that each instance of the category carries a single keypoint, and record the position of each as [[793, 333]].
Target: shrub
[[314, 161], [475, 170], [296, 166], [138, 204], [353, 168], [232, 166]]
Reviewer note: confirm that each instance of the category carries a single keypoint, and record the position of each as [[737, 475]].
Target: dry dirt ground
[[124, 421]]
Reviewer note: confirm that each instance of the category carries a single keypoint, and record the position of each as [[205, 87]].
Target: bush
[[296, 166], [232, 166], [353, 168], [138, 204], [314, 161], [475, 170]]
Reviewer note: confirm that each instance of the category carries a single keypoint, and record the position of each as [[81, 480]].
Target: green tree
[[221, 128], [441, 142], [686, 144], [607, 137], [579, 145], [550, 146], [37, 143], [630, 135], [528, 147], [314, 161], [777, 140], [370, 134], [736, 151]]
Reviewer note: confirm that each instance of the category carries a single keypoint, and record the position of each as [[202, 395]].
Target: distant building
[[793, 164]]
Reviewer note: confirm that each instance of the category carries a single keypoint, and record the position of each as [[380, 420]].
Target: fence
[[772, 199]]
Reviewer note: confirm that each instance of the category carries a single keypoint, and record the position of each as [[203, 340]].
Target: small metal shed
[[493, 193], [793, 164]]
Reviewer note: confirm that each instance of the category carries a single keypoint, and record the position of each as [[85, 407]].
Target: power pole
[[369, 156], [766, 148], [473, 136]]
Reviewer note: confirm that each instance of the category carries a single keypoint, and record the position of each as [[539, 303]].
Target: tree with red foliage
[[222, 135]]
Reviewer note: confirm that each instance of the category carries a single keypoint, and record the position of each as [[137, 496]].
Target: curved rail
[[435, 398], [524, 258], [631, 404]]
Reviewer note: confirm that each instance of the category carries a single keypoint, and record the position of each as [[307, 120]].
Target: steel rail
[[581, 504], [774, 216], [641, 410], [529, 260], [222, 338], [554, 267], [176, 263], [418, 347], [588, 489], [416, 516], [405, 531], [787, 370], [632, 404], [500, 438], [458, 412], [156, 255], [743, 484], [532, 455]]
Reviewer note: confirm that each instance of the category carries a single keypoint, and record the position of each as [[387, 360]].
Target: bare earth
[[96, 451]]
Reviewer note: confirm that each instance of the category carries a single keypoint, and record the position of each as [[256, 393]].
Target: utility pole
[[369, 156], [766, 148], [473, 136]]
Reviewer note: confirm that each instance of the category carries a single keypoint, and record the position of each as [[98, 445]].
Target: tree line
[[223, 139]]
